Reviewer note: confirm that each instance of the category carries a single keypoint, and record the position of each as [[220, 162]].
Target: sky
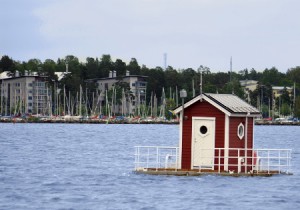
[[257, 34]]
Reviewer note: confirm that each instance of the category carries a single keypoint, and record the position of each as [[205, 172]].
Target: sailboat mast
[[64, 99], [294, 102], [193, 88], [69, 103], [80, 96]]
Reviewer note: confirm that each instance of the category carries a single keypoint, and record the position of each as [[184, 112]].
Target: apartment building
[[26, 94], [137, 86], [278, 90]]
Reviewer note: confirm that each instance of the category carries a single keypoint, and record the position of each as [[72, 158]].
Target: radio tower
[[165, 61], [230, 67], [231, 74]]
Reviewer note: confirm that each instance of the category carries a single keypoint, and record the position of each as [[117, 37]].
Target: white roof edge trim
[[206, 99], [187, 104], [176, 111], [243, 115]]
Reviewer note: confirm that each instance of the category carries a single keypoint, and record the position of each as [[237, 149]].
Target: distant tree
[[34, 65], [285, 97], [120, 67], [20, 66], [170, 105], [105, 66], [60, 65], [244, 74], [72, 83], [220, 79], [134, 67], [48, 69], [6, 64], [158, 78], [233, 87], [73, 65], [155, 82], [265, 111], [297, 107], [293, 74], [187, 76], [285, 109], [171, 78], [91, 68], [263, 93], [272, 76], [254, 75]]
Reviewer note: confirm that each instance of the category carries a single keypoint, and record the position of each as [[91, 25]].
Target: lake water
[[87, 166]]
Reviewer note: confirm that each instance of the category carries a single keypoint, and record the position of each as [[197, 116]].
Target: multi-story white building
[[137, 86], [248, 85], [278, 90], [27, 94]]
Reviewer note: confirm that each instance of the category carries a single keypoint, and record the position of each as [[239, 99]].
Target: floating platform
[[161, 160], [196, 172]]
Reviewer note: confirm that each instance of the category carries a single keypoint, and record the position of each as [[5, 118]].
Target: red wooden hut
[[216, 133]]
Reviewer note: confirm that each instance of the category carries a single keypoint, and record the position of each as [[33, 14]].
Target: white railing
[[156, 157], [233, 160], [274, 160]]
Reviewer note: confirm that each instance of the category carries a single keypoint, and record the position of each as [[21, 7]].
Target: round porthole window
[[203, 129], [241, 130]]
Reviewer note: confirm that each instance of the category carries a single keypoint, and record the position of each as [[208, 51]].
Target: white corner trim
[[226, 143], [180, 142]]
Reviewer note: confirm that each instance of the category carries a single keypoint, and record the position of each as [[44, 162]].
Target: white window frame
[[241, 135]]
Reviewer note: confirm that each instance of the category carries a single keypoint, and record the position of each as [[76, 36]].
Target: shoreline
[[84, 121], [88, 121]]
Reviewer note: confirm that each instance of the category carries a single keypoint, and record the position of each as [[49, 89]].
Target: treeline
[[169, 79]]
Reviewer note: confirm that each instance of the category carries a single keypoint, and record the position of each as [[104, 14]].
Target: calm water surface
[[78, 166]]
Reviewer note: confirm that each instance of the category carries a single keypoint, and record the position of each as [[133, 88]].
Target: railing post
[[268, 161], [135, 158], [176, 149], [279, 161], [138, 157], [252, 160], [288, 154], [148, 157], [238, 161], [157, 159], [219, 169]]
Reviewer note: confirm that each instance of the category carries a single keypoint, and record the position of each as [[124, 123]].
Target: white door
[[203, 142]]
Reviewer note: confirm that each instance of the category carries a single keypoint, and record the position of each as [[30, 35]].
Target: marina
[[118, 120]]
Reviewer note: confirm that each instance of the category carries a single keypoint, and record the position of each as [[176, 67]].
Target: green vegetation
[[170, 79]]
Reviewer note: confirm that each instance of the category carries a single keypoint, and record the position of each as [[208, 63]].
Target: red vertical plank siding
[[200, 109], [236, 142]]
